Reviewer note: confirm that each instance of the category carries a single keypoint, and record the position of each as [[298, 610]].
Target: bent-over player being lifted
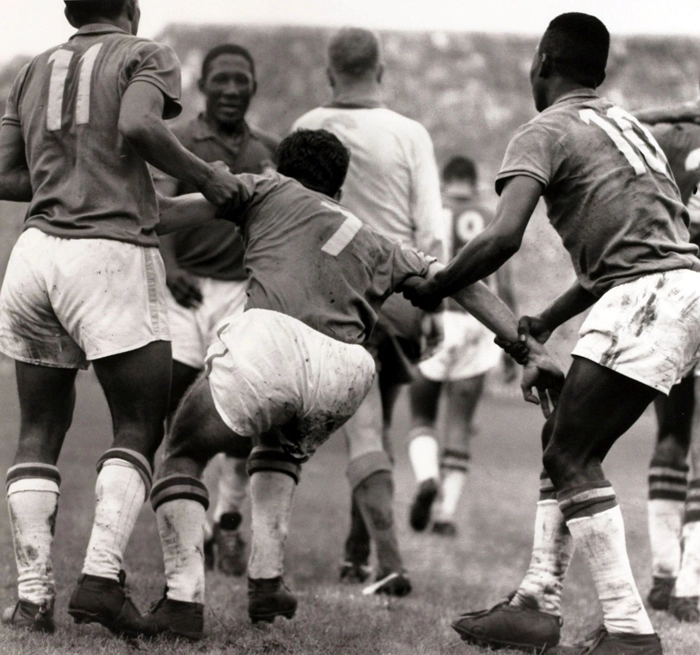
[[85, 283], [290, 370], [611, 197]]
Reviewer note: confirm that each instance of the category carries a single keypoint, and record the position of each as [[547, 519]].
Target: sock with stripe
[[595, 521], [552, 551], [232, 486], [32, 501], [180, 503], [423, 452], [688, 581], [271, 494], [123, 484], [667, 491], [454, 467]]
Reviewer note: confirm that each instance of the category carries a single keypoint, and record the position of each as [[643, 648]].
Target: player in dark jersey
[[610, 194], [674, 497], [456, 371], [204, 268], [287, 372], [85, 284]]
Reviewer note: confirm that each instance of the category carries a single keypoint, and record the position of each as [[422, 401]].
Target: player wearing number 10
[[85, 283], [610, 196]]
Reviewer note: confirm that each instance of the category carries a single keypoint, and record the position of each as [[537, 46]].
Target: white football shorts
[[65, 302], [647, 329], [467, 350], [193, 329], [269, 371]]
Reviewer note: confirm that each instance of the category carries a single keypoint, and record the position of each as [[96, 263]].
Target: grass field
[[480, 566]]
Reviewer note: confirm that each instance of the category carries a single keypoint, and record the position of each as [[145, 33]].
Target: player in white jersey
[[85, 283], [457, 370], [611, 197], [392, 185], [290, 370]]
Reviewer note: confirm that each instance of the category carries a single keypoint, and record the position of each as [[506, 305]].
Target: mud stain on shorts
[[609, 357], [645, 315]]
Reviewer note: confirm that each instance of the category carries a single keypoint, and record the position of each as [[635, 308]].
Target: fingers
[[185, 292], [544, 401]]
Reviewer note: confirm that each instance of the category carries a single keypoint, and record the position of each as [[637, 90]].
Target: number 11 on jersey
[[60, 67]]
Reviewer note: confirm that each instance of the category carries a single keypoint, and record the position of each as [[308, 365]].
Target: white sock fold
[[119, 495], [688, 580], [665, 525], [451, 488]]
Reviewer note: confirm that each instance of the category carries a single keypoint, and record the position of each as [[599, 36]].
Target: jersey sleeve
[[534, 151], [158, 64], [406, 263], [426, 203], [11, 116]]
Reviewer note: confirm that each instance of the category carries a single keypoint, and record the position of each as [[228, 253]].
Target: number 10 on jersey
[[61, 61]]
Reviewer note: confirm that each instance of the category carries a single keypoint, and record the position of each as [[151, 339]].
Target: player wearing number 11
[[85, 283], [610, 196]]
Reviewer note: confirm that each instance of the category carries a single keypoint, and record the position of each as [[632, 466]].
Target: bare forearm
[[182, 212], [571, 303], [686, 112]]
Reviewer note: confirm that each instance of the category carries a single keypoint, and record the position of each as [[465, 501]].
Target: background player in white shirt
[[611, 197], [392, 185], [456, 371]]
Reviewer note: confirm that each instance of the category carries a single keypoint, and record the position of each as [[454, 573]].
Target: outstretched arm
[[687, 112], [14, 176]]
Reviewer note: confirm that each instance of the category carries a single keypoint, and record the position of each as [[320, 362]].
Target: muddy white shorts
[[269, 371], [193, 329], [65, 302], [467, 350], [647, 330]]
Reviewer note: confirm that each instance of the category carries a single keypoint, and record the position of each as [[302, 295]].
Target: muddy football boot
[[507, 626], [445, 528], [354, 572], [660, 593], [177, 619], [269, 598], [29, 616], [422, 505], [105, 601], [602, 642], [684, 608]]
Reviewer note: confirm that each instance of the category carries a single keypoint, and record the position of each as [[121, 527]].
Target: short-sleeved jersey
[[215, 250], [681, 145], [310, 258], [608, 189], [87, 180]]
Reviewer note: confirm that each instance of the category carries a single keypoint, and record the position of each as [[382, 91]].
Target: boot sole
[[496, 644], [271, 616], [84, 617]]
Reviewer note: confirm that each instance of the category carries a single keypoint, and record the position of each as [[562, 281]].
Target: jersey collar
[[350, 100], [576, 94], [99, 28]]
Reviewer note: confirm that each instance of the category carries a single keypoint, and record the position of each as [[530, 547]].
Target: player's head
[[354, 55], [84, 12], [228, 83], [316, 158], [459, 178], [574, 48]]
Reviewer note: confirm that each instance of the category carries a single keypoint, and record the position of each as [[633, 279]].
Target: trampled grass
[[473, 571]]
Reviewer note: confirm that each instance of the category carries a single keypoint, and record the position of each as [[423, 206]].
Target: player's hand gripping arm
[[15, 183], [487, 251], [687, 112], [141, 123]]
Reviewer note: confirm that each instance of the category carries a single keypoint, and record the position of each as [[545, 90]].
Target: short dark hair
[[316, 158], [226, 49], [353, 51], [84, 12], [578, 45], [460, 168]]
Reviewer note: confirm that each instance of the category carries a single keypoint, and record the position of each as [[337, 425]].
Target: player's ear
[[255, 87], [545, 66], [331, 77], [380, 73], [338, 195]]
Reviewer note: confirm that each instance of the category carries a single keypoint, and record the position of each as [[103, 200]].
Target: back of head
[[354, 52], [460, 169], [578, 46], [84, 12], [316, 158]]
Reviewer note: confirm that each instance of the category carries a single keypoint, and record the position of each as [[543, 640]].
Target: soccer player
[[85, 283], [457, 370], [204, 267], [611, 196], [674, 516], [288, 371], [392, 185]]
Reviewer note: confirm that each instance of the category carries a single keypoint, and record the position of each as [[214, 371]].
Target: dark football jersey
[[87, 181], [309, 258], [608, 189]]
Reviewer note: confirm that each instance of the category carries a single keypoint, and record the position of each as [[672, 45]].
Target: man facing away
[[85, 283], [611, 196], [393, 186], [204, 267], [291, 369]]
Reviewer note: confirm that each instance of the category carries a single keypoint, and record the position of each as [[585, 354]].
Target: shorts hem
[[225, 418], [631, 375], [126, 349], [200, 365], [39, 362]]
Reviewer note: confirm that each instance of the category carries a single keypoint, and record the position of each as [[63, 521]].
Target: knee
[[559, 464]]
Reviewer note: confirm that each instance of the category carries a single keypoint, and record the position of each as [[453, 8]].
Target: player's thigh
[[674, 414], [597, 405]]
